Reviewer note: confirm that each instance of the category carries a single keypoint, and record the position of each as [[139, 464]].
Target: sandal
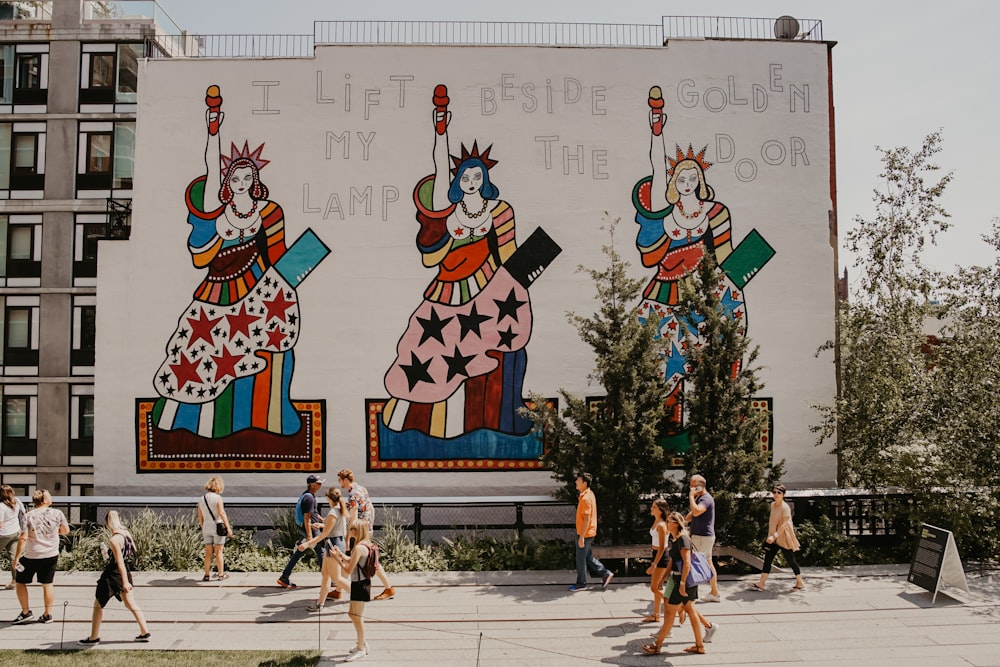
[[796, 587], [206, 578], [756, 587], [695, 649], [651, 619], [224, 575], [650, 649]]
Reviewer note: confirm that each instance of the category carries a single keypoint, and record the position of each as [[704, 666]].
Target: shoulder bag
[[220, 526], [700, 572]]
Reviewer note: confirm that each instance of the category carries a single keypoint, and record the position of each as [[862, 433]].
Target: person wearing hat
[[309, 521]]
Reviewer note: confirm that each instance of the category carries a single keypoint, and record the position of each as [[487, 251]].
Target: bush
[[398, 553], [824, 546]]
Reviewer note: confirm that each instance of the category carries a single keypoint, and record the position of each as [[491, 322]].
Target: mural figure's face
[[471, 180], [687, 181], [241, 180]]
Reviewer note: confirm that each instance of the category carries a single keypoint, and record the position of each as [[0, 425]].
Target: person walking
[[38, 553], [660, 566], [586, 531], [11, 526], [212, 512], [334, 533], [702, 521], [681, 597], [359, 506], [116, 581], [780, 536], [359, 533], [309, 522]]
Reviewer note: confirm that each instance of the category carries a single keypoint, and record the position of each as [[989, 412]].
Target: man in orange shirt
[[586, 530]]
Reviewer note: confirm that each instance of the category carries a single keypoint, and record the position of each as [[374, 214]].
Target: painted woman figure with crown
[[229, 362], [679, 222], [460, 363]]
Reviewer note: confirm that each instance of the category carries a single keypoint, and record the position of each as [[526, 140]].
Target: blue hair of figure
[[488, 190]]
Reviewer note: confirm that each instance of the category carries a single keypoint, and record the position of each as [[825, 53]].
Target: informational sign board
[[936, 563]]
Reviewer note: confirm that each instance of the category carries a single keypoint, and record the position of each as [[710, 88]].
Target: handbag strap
[[209, 508]]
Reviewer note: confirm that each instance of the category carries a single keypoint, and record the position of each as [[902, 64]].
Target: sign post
[[936, 562]]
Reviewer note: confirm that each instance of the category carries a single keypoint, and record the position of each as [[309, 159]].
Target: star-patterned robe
[[460, 363], [675, 252], [229, 362]]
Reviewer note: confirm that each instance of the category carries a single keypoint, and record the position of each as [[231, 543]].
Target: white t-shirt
[[208, 526], [43, 526], [11, 520]]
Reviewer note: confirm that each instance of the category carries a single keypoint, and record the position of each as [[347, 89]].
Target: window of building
[[106, 161], [81, 441], [102, 70], [20, 254], [84, 334], [89, 228], [29, 71], [18, 428], [7, 72], [20, 339], [22, 157], [98, 153], [128, 72]]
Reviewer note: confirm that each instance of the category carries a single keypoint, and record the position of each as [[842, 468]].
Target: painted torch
[[656, 104], [213, 100], [441, 107]]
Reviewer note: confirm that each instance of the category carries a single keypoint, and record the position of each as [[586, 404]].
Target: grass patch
[[90, 657]]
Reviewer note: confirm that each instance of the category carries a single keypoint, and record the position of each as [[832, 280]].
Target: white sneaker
[[710, 598], [356, 654], [355, 649], [710, 632]]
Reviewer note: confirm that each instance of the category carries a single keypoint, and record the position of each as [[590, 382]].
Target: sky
[[901, 70]]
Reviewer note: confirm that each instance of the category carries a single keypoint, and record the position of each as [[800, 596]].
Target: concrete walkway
[[856, 616]]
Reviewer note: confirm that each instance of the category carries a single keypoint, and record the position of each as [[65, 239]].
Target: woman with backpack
[[12, 517], [116, 581], [361, 565]]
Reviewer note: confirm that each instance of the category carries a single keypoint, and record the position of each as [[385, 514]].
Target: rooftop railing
[[487, 33], [496, 33]]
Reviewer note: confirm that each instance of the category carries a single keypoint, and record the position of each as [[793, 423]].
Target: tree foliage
[[615, 437], [723, 427], [914, 411]]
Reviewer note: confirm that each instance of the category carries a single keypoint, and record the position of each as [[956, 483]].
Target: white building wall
[[570, 129]]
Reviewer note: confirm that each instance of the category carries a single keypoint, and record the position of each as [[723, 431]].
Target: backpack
[[371, 565]]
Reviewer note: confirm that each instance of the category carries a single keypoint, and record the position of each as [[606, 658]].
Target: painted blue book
[[301, 258]]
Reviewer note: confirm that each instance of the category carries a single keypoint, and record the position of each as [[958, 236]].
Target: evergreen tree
[[615, 437], [723, 427]]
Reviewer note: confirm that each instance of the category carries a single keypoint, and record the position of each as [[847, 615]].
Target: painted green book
[[748, 258]]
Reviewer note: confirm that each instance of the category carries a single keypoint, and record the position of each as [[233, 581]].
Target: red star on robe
[[201, 329], [226, 364], [277, 306], [240, 322], [274, 338], [185, 371]]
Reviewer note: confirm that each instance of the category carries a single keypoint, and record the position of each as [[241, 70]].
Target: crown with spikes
[[466, 155], [699, 158], [245, 154]]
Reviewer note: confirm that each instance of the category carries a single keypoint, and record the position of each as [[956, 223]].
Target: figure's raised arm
[[442, 166], [213, 148], [657, 150]]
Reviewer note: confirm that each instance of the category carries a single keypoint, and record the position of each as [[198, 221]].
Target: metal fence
[[853, 512], [487, 33], [741, 27]]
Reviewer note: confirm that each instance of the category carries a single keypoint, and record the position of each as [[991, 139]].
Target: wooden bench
[[627, 551]]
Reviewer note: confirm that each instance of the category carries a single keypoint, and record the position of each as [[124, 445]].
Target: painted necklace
[[693, 216], [253, 209], [473, 215]]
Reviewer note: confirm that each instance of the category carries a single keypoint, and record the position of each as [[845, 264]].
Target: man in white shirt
[[38, 553]]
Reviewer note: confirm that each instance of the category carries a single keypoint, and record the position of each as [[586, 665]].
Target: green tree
[[917, 412], [614, 437], [723, 427]]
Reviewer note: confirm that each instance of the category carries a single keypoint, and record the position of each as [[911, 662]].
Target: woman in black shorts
[[681, 597], [359, 538], [660, 566], [116, 581]]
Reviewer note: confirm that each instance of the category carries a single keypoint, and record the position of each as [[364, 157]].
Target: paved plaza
[[856, 616]]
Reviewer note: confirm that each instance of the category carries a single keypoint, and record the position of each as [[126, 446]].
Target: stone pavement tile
[[905, 654]]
